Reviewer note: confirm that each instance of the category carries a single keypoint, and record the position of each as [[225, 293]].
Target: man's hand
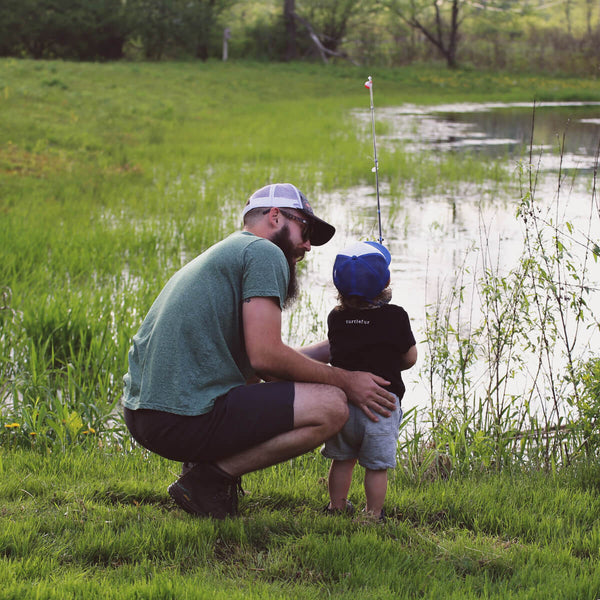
[[364, 390], [272, 359]]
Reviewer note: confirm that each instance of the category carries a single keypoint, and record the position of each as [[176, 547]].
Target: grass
[[100, 524], [111, 177]]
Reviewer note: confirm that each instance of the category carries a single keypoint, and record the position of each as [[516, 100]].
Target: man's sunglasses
[[307, 226]]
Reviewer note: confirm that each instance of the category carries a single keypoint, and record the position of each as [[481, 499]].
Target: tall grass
[[114, 175], [512, 381], [111, 177]]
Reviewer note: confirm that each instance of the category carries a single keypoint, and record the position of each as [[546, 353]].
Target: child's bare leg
[[375, 489], [340, 478]]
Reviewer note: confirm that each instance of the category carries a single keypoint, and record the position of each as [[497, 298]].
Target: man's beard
[[282, 239]]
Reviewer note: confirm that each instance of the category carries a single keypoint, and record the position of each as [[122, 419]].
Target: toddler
[[367, 333]]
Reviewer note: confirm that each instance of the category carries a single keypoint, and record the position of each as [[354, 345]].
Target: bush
[[69, 29], [169, 28], [588, 405], [263, 40]]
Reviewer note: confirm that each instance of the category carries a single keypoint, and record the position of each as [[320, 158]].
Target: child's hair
[[356, 302]]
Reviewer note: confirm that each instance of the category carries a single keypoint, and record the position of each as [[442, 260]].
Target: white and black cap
[[287, 195]]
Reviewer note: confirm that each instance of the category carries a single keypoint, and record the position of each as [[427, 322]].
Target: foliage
[[554, 38], [111, 177], [518, 408], [587, 405], [70, 29], [114, 175], [263, 39], [167, 28], [333, 19], [57, 378], [439, 23]]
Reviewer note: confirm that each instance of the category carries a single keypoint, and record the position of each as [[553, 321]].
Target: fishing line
[[375, 169]]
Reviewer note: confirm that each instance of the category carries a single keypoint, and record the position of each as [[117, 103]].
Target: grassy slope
[[110, 175]]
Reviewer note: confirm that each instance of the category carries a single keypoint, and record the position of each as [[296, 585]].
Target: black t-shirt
[[371, 340]]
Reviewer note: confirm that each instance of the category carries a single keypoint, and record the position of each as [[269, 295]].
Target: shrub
[[70, 29]]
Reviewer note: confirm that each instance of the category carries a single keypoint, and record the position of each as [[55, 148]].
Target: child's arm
[[317, 351], [409, 358]]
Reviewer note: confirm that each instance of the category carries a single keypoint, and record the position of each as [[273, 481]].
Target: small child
[[367, 333]]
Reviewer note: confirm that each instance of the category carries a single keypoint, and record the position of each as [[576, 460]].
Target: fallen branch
[[323, 51]]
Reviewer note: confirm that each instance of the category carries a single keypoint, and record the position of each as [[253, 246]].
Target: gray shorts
[[374, 444]]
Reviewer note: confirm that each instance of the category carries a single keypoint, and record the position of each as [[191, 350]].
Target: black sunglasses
[[306, 230]]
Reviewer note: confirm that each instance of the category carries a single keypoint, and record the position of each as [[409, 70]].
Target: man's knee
[[319, 404], [339, 407]]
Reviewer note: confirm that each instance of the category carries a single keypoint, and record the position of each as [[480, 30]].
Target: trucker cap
[[287, 195], [362, 270]]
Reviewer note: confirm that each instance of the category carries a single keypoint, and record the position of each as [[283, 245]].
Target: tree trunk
[[442, 34], [289, 9], [588, 14], [451, 56]]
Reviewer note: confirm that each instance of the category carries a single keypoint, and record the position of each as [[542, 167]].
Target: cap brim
[[321, 231]]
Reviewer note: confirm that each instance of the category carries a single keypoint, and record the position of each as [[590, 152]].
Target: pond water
[[429, 238], [501, 130]]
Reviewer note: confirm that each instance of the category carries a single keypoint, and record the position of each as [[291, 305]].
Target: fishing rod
[[375, 169]]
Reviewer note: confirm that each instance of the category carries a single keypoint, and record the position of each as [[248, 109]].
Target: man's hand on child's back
[[364, 391]]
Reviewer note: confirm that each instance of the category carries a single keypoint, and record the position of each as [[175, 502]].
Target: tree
[[154, 21], [168, 26], [326, 22], [331, 18], [71, 29], [289, 19], [200, 24], [438, 20]]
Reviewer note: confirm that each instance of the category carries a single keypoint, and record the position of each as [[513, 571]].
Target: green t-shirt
[[190, 348]]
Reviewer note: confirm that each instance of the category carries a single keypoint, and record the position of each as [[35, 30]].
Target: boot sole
[[184, 501]]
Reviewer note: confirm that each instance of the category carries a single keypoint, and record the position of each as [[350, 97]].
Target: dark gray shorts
[[243, 418], [373, 444]]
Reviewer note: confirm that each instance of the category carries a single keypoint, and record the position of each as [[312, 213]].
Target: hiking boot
[[207, 491], [187, 466]]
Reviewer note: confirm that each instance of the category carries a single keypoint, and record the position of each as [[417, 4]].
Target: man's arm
[[270, 357]]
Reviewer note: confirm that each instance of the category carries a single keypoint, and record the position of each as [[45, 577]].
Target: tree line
[[563, 35]]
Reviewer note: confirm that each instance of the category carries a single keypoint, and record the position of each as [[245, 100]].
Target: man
[[214, 331]]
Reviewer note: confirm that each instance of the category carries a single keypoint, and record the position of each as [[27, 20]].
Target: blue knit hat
[[362, 270]]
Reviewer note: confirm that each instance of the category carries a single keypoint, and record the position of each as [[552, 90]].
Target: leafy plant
[[516, 409]]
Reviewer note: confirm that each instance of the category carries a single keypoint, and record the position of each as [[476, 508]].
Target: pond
[[502, 130], [430, 238]]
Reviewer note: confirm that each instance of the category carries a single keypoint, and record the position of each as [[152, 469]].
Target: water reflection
[[430, 238], [500, 130]]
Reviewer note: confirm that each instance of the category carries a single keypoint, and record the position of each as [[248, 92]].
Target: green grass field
[[111, 177], [99, 524]]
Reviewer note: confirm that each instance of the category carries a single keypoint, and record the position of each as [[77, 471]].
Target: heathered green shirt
[[190, 348]]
